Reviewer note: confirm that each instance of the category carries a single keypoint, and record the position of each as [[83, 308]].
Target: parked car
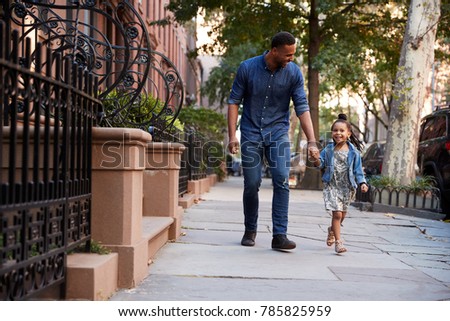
[[372, 160], [433, 156]]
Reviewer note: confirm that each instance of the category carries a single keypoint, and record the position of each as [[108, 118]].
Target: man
[[265, 85]]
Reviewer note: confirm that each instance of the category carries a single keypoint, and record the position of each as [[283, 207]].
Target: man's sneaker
[[248, 239], [281, 242]]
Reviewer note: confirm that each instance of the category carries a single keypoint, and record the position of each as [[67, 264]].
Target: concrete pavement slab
[[186, 288], [382, 275], [309, 263], [423, 261], [442, 275], [390, 257]]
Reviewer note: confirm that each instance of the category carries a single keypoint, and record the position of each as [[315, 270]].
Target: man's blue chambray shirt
[[266, 97]]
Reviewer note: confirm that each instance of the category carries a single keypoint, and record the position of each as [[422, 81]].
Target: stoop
[[156, 230], [91, 276], [187, 200]]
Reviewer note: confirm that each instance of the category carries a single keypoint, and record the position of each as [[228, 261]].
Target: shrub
[[422, 183], [144, 111]]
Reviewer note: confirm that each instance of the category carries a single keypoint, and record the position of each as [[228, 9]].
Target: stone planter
[[161, 182]]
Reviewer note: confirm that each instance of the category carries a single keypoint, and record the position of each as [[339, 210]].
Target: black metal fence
[[428, 199], [404, 197], [138, 86], [199, 158], [48, 107]]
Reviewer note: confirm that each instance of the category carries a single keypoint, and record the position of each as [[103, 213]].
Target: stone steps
[[94, 277]]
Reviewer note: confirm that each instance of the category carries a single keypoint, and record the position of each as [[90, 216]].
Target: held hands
[[364, 188], [233, 145], [314, 153]]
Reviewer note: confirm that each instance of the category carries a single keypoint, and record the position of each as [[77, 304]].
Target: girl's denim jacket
[[355, 173]]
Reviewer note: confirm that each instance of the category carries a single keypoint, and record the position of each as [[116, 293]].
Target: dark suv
[[433, 155], [372, 160]]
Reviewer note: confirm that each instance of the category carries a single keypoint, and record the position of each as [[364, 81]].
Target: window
[[434, 128], [440, 126], [371, 152]]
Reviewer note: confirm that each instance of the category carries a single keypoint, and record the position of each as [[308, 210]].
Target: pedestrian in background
[[265, 86], [342, 173]]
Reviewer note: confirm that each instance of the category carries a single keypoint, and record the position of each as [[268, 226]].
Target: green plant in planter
[[210, 123], [98, 248], [382, 182], [419, 194], [95, 247], [139, 114], [423, 183]]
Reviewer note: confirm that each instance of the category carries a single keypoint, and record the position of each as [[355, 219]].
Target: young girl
[[342, 172]]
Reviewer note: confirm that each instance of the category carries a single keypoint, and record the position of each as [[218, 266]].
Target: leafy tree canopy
[[217, 87], [242, 21], [360, 41]]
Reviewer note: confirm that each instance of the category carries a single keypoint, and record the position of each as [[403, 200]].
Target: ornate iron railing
[[48, 108], [198, 159], [139, 87], [47, 111]]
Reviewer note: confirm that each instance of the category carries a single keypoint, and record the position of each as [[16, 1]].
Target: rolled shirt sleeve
[[299, 95], [238, 89]]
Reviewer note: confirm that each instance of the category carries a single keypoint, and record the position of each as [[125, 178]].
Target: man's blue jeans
[[277, 154]]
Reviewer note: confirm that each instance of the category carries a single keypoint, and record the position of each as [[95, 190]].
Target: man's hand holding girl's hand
[[314, 153], [233, 145], [364, 188]]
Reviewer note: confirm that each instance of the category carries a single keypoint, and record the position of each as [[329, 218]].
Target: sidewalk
[[390, 256]]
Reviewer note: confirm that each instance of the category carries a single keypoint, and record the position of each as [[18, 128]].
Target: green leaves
[[360, 41], [220, 81], [210, 123]]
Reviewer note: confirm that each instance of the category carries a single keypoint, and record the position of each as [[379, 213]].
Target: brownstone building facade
[[59, 61], [174, 41]]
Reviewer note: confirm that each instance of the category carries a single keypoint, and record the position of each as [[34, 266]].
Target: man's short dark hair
[[283, 38]]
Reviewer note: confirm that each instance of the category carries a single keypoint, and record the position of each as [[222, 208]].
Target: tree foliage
[[352, 45], [218, 85], [360, 52], [350, 35], [360, 41], [242, 21], [206, 121]]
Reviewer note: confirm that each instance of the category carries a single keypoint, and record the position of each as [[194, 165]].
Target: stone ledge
[[382, 208], [154, 225], [187, 200], [175, 228], [91, 276], [133, 263], [377, 207], [156, 230]]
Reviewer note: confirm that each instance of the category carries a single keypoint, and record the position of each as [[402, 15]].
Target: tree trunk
[[312, 175], [416, 58]]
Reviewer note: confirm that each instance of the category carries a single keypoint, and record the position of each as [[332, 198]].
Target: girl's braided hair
[[342, 118]]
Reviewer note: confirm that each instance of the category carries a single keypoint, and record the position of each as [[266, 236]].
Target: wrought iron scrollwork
[[140, 87]]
